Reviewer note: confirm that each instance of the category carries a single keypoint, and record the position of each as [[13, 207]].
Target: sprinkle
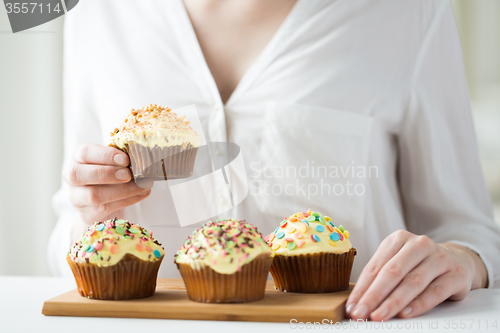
[[337, 230], [85, 247], [134, 230], [334, 236], [288, 239], [291, 245], [149, 249], [92, 231], [283, 243], [278, 228], [320, 228], [298, 235], [328, 218], [120, 229], [333, 243], [151, 233], [300, 243], [90, 249], [330, 227], [280, 235], [305, 214], [276, 246], [113, 249], [291, 230], [303, 228], [293, 219], [315, 214], [346, 234], [341, 227], [267, 238], [322, 220], [157, 253], [316, 237], [284, 224], [313, 238], [98, 246], [311, 218], [140, 247], [100, 227], [341, 236]]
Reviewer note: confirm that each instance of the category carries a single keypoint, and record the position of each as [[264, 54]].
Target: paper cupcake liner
[[130, 278], [207, 286], [313, 273], [159, 163]]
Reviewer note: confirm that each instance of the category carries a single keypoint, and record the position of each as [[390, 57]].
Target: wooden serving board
[[170, 301]]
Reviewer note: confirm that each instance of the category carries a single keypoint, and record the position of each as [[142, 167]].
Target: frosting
[[106, 243], [223, 245], [155, 126], [308, 232]]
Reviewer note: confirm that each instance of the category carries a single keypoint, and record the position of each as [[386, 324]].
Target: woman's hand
[[409, 275], [100, 182]]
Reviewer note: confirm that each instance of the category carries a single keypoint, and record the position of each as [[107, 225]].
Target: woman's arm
[[452, 244]]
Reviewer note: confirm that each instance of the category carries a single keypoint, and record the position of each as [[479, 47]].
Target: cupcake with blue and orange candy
[[116, 260], [312, 254]]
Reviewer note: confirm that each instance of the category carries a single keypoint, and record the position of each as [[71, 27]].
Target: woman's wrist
[[480, 278]]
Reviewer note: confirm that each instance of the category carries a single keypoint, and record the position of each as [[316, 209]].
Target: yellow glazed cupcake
[[161, 145], [225, 261], [116, 260], [312, 255]]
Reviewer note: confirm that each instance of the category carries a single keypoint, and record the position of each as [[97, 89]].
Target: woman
[[313, 86]]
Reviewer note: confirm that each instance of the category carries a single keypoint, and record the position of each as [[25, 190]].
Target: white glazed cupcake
[[161, 145]]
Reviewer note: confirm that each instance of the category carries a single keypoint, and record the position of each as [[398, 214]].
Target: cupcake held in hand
[[312, 255], [116, 260], [225, 261], [160, 144]]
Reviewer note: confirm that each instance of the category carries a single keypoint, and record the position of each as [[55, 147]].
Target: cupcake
[[161, 145], [312, 255], [116, 260], [226, 261]]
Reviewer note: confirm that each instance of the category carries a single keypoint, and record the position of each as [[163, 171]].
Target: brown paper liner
[[161, 163], [207, 286], [130, 278], [313, 273]]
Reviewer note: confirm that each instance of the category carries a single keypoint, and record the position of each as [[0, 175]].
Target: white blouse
[[356, 109]]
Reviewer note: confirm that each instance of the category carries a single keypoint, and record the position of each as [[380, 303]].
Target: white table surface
[[21, 301]]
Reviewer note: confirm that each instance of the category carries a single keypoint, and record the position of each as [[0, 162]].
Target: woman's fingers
[[439, 290], [387, 249], [95, 213], [95, 195], [413, 285], [91, 153], [89, 174], [413, 252]]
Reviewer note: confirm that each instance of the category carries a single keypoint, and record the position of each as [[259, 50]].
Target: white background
[[31, 125]]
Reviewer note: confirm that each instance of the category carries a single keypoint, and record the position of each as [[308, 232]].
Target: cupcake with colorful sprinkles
[[226, 261], [116, 260], [312, 254]]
